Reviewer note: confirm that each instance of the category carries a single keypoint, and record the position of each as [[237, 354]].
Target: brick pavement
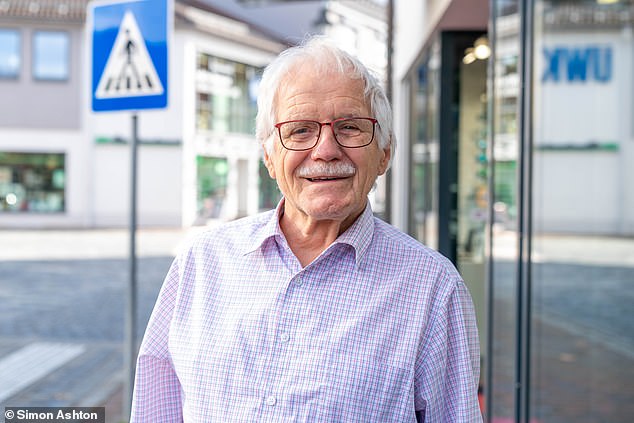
[[68, 287], [582, 364]]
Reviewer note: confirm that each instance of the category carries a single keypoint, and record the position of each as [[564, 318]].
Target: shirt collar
[[358, 236], [271, 229]]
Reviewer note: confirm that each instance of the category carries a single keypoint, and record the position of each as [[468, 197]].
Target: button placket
[[284, 329], [297, 280]]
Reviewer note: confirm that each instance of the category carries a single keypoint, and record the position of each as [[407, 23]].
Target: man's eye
[[348, 129], [300, 131]]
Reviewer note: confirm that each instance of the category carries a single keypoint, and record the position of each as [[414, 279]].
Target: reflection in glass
[[226, 95], [504, 309], [580, 336], [472, 190], [582, 360], [424, 155]]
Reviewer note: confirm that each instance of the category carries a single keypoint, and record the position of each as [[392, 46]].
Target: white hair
[[325, 58]]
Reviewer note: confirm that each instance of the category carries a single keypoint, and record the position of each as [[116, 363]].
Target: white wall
[[575, 192], [158, 187], [581, 112]]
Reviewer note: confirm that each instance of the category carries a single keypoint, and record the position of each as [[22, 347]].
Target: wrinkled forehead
[[312, 77]]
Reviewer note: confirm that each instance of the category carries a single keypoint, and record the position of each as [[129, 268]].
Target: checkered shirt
[[373, 330]]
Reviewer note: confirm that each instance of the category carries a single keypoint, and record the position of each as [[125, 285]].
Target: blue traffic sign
[[130, 54]]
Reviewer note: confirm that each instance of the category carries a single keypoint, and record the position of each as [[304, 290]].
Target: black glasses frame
[[321, 125]]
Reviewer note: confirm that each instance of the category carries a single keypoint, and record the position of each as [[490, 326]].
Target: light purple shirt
[[375, 328]]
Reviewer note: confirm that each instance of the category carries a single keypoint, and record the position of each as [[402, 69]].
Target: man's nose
[[327, 147]]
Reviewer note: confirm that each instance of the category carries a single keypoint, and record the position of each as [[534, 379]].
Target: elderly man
[[316, 311]]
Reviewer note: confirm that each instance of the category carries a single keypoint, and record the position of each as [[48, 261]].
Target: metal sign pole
[[130, 72], [130, 348]]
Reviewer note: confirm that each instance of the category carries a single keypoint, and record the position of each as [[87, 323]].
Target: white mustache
[[339, 169]]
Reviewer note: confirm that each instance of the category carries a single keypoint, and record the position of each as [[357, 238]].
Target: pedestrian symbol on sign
[[129, 70]]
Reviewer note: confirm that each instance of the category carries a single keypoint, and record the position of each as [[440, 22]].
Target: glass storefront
[[226, 95], [562, 237], [32, 182], [449, 177], [424, 154], [583, 212], [525, 184]]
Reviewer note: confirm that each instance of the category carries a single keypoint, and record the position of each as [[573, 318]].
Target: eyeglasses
[[301, 135]]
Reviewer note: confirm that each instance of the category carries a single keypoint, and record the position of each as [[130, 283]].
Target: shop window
[[51, 55], [32, 182], [9, 53], [211, 188], [203, 112], [423, 223], [226, 95]]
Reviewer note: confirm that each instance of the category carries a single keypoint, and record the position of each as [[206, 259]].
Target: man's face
[[301, 175]]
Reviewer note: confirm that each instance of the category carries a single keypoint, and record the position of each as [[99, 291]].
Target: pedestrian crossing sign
[[130, 54]]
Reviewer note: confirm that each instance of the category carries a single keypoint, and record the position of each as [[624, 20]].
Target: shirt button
[[270, 400], [299, 281], [285, 337]]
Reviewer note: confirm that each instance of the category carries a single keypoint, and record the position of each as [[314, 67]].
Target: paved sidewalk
[[63, 296]]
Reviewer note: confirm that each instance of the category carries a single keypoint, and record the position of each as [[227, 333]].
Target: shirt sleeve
[[448, 369], [157, 390]]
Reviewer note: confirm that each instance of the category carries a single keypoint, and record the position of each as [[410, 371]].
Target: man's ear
[[384, 162], [268, 162]]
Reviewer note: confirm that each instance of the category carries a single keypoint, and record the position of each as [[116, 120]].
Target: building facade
[[62, 165], [515, 131], [42, 123]]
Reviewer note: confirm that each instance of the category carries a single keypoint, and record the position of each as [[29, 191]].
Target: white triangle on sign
[[129, 70]]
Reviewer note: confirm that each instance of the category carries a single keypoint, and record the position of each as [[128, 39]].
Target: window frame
[[35, 179], [34, 57]]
